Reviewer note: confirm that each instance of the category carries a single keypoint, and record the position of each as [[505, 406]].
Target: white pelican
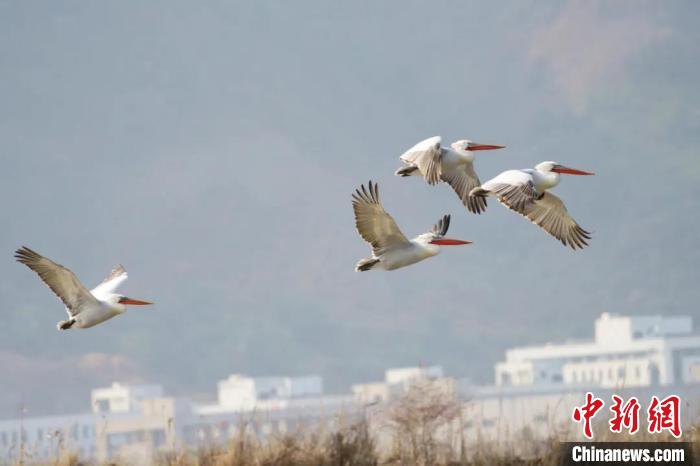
[[454, 165], [525, 192], [85, 308], [390, 248]]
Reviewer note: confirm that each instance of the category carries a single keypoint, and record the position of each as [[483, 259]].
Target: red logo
[[586, 412], [661, 415], [626, 416], [665, 415]]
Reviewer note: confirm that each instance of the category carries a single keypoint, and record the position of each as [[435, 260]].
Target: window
[[102, 406], [158, 437]]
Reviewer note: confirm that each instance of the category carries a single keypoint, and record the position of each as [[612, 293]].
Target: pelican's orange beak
[[133, 302], [449, 242], [570, 171], [477, 146]]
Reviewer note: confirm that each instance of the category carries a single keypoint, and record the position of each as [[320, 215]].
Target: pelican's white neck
[[423, 243], [459, 149], [545, 179]]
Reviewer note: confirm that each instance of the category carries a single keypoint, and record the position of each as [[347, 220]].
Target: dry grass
[[350, 446], [422, 428]]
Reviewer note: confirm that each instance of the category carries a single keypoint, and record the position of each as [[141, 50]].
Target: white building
[[39, 438], [396, 381], [142, 422], [241, 393], [637, 351], [34, 439], [120, 398]]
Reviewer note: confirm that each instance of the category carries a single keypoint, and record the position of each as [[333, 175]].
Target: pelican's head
[[431, 243], [120, 302], [436, 237], [465, 145], [554, 167]]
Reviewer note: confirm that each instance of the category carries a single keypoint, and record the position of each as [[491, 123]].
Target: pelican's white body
[[416, 250], [91, 315], [107, 305], [541, 178], [451, 159]]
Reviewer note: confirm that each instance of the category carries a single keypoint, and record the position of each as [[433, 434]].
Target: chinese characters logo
[[662, 415]]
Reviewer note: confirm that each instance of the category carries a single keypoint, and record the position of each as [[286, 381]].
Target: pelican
[[525, 192], [390, 248], [85, 308], [454, 165]]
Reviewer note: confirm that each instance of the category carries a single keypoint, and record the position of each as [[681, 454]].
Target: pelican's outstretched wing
[[62, 281], [440, 228], [426, 155], [373, 223], [463, 179], [549, 212], [113, 281]]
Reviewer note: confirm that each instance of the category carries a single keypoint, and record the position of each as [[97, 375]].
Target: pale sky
[[212, 148]]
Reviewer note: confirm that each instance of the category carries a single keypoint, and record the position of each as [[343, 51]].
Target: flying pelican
[[390, 248], [85, 308], [525, 192], [454, 165]]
